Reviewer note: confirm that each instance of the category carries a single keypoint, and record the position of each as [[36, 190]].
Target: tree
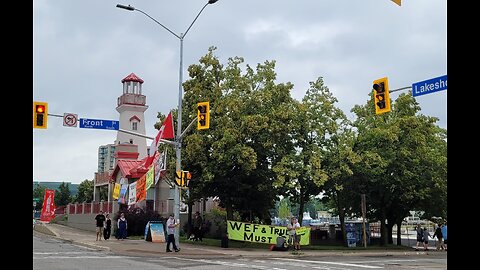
[[39, 193], [249, 133], [401, 162], [339, 163], [62, 196], [284, 210], [85, 192], [301, 173]]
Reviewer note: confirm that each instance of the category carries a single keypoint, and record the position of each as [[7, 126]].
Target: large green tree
[[250, 130], [403, 161], [316, 120]]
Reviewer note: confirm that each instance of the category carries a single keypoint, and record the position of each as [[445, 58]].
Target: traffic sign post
[[429, 86], [99, 124], [70, 120]]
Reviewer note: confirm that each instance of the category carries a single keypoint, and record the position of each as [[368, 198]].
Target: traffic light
[[40, 113], [381, 95], [182, 178], [203, 115]]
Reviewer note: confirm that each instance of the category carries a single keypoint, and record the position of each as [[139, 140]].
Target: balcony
[[133, 99]]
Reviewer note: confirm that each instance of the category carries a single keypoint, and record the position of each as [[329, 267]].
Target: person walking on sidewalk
[[439, 235], [108, 227], [419, 236], [100, 219], [171, 233], [197, 227], [122, 227], [444, 233], [426, 234]]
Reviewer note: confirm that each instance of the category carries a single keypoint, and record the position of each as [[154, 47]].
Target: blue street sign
[[429, 86], [99, 124]]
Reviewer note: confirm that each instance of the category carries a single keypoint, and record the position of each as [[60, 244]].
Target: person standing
[[100, 219], [444, 233], [197, 227], [419, 236], [439, 235], [426, 234], [122, 227], [108, 227], [292, 232], [171, 233]]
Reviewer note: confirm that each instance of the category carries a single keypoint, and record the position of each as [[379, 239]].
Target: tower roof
[[132, 77]]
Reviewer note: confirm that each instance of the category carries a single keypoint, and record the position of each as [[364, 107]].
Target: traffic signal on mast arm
[[203, 115], [381, 95], [40, 113], [182, 178]]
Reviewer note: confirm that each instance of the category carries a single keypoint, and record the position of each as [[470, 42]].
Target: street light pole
[[178, 139]]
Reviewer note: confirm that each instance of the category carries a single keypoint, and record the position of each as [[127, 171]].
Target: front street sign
[[99, 124]]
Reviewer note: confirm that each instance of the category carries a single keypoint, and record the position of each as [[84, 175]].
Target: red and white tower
[[131, 106]]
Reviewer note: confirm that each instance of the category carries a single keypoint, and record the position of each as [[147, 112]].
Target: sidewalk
[[145, 248]]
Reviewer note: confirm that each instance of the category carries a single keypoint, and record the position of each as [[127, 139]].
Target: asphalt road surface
[[51, 254]]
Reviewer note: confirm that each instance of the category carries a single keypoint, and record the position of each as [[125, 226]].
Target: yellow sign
[[149, 178], [116, 191], [267, 234], [398, 2]]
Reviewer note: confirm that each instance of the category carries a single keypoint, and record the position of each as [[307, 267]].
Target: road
[[51, 253]]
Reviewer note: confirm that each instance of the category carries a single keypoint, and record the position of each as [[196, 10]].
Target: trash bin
[[224, 242]]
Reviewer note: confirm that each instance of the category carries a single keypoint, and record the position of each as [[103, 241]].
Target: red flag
[[165, 132], [48, 208]]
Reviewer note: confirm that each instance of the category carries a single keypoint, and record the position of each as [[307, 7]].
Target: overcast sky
[[83, 49]]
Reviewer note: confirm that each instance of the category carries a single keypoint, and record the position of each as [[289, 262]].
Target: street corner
[[43, 228]]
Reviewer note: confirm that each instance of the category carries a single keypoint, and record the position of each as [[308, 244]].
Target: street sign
[[36, 199], [429, 86], [99, 124], [70, 120]]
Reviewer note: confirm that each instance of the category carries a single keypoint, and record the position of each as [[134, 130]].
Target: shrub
[[137, 219]]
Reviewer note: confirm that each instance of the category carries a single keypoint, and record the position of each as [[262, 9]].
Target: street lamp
[[178, 140]]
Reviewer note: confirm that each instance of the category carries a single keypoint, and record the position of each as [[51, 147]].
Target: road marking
[[333, 263], [84, 257], [401, 260], [233, 264]]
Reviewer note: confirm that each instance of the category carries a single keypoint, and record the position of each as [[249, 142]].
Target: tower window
[[134, 125]]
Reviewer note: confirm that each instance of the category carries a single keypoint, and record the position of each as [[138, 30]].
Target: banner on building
[[160, 164], [149, 178], [132, 193], [123, 194], [141, 191], [267, 234], [116, 191], [48, 207]]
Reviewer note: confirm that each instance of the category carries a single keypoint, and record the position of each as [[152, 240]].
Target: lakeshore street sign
[[99, 124], [429, 86]]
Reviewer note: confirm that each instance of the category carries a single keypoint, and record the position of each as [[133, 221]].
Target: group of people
[[104, 226], [440, 233], [293, 237]]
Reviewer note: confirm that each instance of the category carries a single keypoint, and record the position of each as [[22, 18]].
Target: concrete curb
[[43, 229]]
